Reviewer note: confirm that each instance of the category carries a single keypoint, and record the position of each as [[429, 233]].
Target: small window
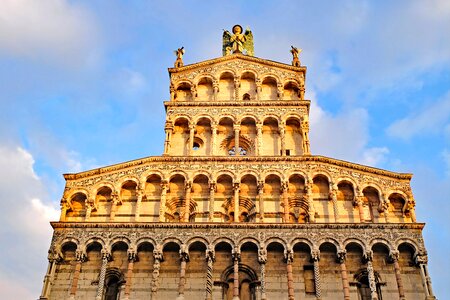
[[288, 152], [246, 97], [308, 276], [196, 146], [242, 151]]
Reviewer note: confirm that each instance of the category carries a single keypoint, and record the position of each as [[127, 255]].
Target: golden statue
[[237, 42]]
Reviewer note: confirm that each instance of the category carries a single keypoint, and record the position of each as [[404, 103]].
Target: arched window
[[362, 282], [113, 281]]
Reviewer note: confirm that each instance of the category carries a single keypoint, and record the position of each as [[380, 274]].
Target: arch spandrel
[[306, 241], [332, 241], [409, 242], [197, 239], [222, 239], [144, 240], [118, 239], [122, 180], [356, 241], [278, 240], [93, 240], [251, 240]]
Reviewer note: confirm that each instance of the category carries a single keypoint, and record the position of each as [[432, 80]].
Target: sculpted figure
[[238, 41], [295, 60], [179, 61]]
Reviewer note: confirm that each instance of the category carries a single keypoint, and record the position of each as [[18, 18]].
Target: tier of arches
[[271, 198], [208, 136], [261, 267], [232, 86]]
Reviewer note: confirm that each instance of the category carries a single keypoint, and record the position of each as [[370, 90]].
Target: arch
[[147, 174], [251, 240], [124, 179], [248, 172], [227, 116], [197, 239], [271, 240], [178, 173], [119, 239], [197, 118], [143, 240], [183, 81], [405, 241], [291, 115], [94, 240], [68, 240], [221, 173], [225, 240], [297, 172], [349, 180], [270, 75], [274, 173], [83, 191], [357, 242], [380, 241], [305, 241], [320, 172], [203, 76], [95, 189], [225, 71], [332, 241], [202, 173], [373, 185], [169, 240], [182, 117], [247, 115]]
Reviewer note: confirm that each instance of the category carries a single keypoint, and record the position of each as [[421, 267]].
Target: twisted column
[[184, 258], [259, 141], [371, 276], [284, 191], [80, 258], [261, 200], [210, 257], [101, 281], [187, 202], [237, 85], [212, 191], [315, 256], [262, 259], [131, 259], [333, 198], [236, 187], [236, 255], [289, 257], [393, 257], [157, 258], [162, 204], [345, 285], [282, 130]]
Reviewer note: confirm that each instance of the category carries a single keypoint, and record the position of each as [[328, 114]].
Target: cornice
[[237, 56], [210, 225], [267, 103], [237, 160]]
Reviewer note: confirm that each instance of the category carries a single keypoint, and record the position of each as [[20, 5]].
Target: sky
[[82, 85]]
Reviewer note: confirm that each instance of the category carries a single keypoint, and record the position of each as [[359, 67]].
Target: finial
[[295, 60], [179, 61]]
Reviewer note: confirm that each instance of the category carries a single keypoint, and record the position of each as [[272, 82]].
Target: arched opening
[[175, 199], [269, 89], [297, 203], [226, 87], [184, 92], [119, 256], [205, 90], [114, 280], [247, 198], [410, 270], [200, 194], [77, 212], [202, 140], [346, 197], [180, 137], [271, 137], [371, 204], [276, 285], [225, 135], [151, 202], [321, 197], [143, 265], [273, 211], [64, 268], [293, 137], [223, 261], [397, 203], [169, 273], [104, 204], [224, 198], [248, 86], [248, 133], [93, 262], [291, 91], [128, 197], [303, 270], [328, 264], [195, 270]]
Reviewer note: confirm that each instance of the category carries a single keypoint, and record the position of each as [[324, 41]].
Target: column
[[89, 203], [393, 257], [212, 192], [371, 276], [184, 257], [280, 91], [315, 255], [282, 130], [285, 195], [259, 141], [384, 204], [172, 92], [80, 258], [411, 208], [333, 198], [262, 259], [310, 199], [236, 186], [168, 128], [194, 92], [305, 134], [213, 138], [162, 204], [53, 259], [421, 260], [187, 202], [258, 89], [139, 194], [215, 89], [359, 201], [191, 139], [237, 128], [236, 255], [237, 85], [210, 256], [157, 258], [131, 259], [101, 281], [345, 284], [261, 200], [64, 207], [289, 257], [114, 202]]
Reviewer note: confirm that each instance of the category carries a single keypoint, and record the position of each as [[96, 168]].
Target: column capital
[[236, 126], [368, 255], [394, 255], [132, 255], [288, 256], [315, 255], [262, 255], [341, 256], [260, 186], [188, 185], [236, 254], [106, 255], [421, 259], [236, 185], [158, 253], [284, 186], [213, 186], [80, 256], [210, 254]]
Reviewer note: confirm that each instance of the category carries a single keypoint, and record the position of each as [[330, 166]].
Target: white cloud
[[47, 29], [24, 226], [431, 119]]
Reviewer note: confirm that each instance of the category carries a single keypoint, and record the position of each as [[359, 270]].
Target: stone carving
[[295, 60], [238, 42], [179, 61]]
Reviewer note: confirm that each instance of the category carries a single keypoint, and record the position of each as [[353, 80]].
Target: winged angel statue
[[238, 42]]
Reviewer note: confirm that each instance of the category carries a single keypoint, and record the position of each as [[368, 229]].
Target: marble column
[[237, 129], [359, 201], [285, 195], [101, 281], [90, 206], [65, 206], [139, 195], [393, 257], [282, 130], [53, 260], [191, 139], [115, 200], [157, 258], [215, 90], [184, 258], [210, 257], [237, 85], [411, 208], [236, 255], [305, 136], [162, 204], [259, 138], [421, 261], [168, 129], [80, 258], [344, 275], [315, 256], [289, 258], [371, 275], [310, 200], [236, 187], [280, 91], [212, 192], [172, 92], [261, 200], [213, 138], [187, 201], [333, 198], [258, 89], [129, 276], [262, 259]]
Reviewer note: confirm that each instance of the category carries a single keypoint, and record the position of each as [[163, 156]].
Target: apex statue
[[237, 207]]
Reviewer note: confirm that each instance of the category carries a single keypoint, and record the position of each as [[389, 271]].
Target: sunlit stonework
[[237, 207]]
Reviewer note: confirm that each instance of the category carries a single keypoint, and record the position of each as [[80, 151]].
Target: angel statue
[[295, 60], [237, 42], [179, 53]]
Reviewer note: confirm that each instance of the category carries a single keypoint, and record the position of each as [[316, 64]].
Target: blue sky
[[82, 85]]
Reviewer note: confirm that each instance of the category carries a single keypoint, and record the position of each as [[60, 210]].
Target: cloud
[[431, 119], [47, 29], [24, 225]]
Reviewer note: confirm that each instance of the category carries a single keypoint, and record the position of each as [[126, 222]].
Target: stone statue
[[179, 53], [295, 60], [237, 42]]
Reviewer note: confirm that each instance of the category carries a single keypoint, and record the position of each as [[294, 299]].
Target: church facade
[[237, 207]]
